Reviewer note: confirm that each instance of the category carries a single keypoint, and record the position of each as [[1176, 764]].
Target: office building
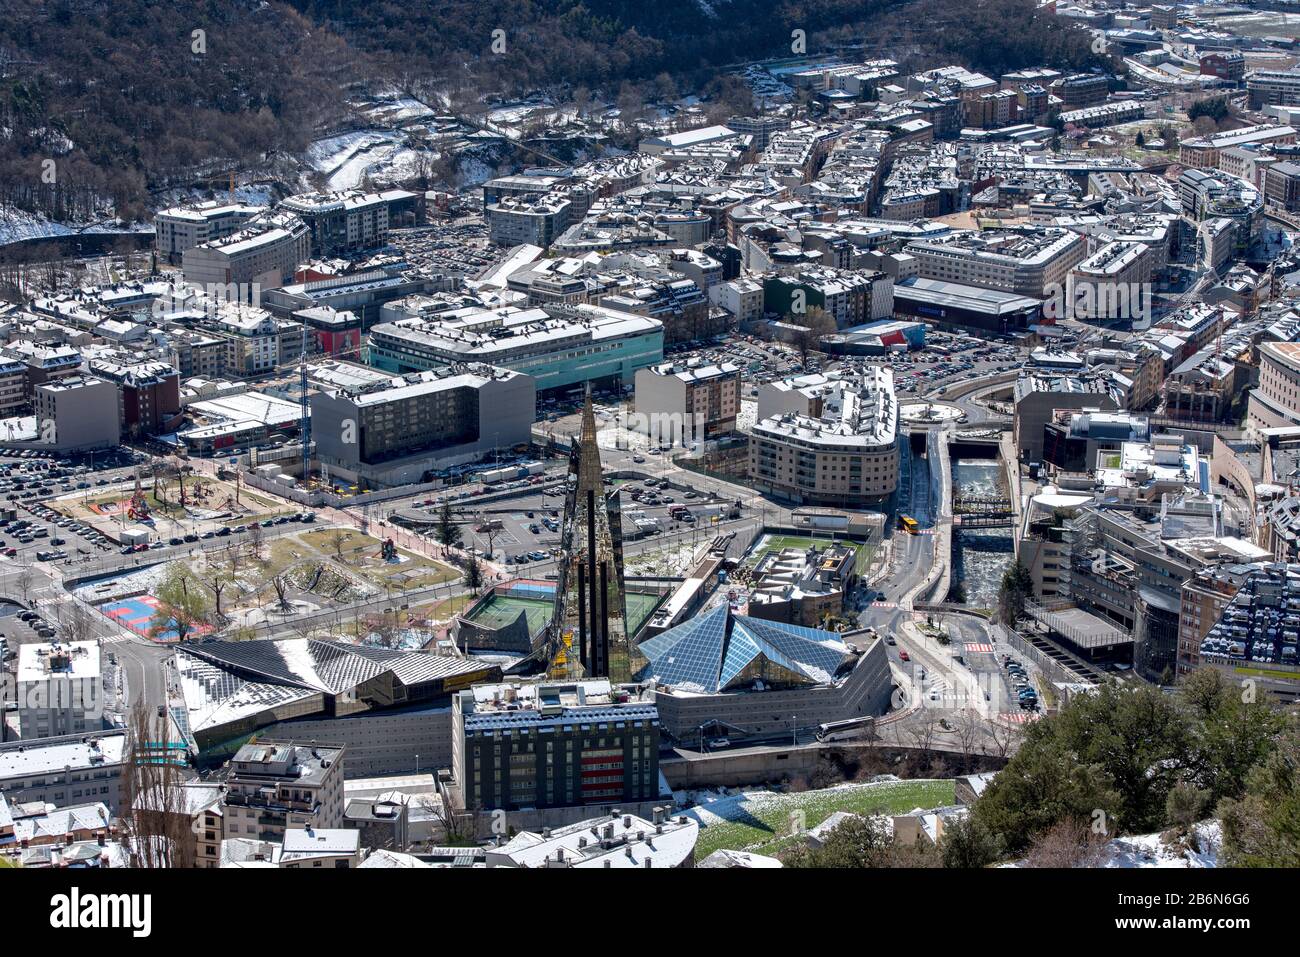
[[60, 689]]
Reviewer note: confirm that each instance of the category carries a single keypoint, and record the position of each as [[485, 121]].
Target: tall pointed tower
[[590, 623]]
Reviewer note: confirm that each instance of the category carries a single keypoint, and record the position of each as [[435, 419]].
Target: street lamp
[[794, 729]]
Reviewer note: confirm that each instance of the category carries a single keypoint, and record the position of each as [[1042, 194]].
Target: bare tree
[[1005, 737], [1067, 843], [24, 581], [156, 822], [922, 729], [281, 585], [256, 538], [967, 727]]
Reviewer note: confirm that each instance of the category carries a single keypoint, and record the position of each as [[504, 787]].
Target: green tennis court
[[499, 610]]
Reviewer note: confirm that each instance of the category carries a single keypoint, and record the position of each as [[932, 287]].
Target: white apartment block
[[60, 689], [1027, 264], [743, 298], [184, 227], [842, 449]]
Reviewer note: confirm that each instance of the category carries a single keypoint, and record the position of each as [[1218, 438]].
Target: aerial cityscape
[[469, 437]]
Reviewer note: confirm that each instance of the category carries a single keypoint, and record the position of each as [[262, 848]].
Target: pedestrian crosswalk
[[1019, 717], [884, 604], [978, 648]]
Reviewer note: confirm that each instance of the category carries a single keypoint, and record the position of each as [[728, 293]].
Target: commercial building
[[702, 400], [722, 673], [1039, 394], [850, 298], [384, 705], [1031, 264], [394, 431], [958, 304], [841, 451], [275, 787], [579, 344], [553, 744]]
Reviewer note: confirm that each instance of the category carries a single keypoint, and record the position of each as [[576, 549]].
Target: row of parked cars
[[88, 532], [1019, 678]]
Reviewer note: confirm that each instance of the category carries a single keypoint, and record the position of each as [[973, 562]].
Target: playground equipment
[[138, 510]]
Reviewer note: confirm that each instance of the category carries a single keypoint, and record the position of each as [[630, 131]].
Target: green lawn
[[761, 821]]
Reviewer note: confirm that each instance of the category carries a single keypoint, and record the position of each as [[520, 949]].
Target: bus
[[909, 524], [841, 730]]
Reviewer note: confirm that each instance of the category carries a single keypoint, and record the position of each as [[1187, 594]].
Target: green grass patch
[[761, 821]]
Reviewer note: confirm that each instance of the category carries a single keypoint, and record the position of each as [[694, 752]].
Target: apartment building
[[148, 394], [274, 787], [60, 689], [1273, 88], [66, 770], [1275, 401], [83, 411], [1282, 186], [1204, 151], [836, 442], [531, 220], [742, 298], [353, 220], [179, 228], [703, 397], [1113, 283]]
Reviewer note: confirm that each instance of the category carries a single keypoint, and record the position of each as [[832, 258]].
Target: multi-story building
[[60, 689], [1204, 151], [1204, 597], [1275, 402], [1081, 90], [395, 430], [742, 298], [702, 400], [1259, 633], [148, 394], [274, 787], [1282, 186], [13, 386], [66, 770], [850, 298], [265, 253], [183, 227], [543, 745], [840, 449], [82, 411], [559, 351], [1112, 283], [1273, 88], [1227, 65], [350, 221], [1039, 394], [1033, 263], [532, 220]]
